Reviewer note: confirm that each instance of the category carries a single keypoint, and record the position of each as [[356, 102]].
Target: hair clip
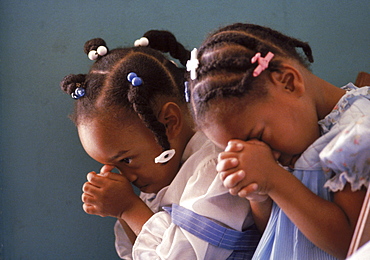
[[192, 64], [187, 93], [143, 41], [79, 92], [263, 63], [165, 156], [134, 79], [100, 51]]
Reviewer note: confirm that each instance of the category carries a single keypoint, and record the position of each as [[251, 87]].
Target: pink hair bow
[[263, 62]]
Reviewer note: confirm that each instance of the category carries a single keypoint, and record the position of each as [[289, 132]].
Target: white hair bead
[[102, 50], [93, 55], [143, 41]]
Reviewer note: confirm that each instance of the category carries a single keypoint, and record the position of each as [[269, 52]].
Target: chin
[[148, 189]]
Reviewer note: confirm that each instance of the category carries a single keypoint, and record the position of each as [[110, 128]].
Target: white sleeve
[[123, 244], [161, 239], [202, 193]]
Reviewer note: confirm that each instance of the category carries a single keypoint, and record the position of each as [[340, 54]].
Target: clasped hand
[[246, 169], [107, 193]]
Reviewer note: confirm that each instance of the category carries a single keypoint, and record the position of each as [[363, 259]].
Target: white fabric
[[196, 187]]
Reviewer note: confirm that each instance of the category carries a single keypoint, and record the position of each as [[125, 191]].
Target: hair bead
[[131, 76], [134, 79], [143, 41], [100, 51], [187, 91], [78, 93]]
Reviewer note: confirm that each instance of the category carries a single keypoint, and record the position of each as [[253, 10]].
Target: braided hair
[[107, 89], [225, 68]]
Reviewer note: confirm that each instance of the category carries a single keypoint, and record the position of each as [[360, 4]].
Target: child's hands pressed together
[[243, 173], [107, 193]]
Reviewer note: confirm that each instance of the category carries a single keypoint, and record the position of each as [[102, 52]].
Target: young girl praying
[[295, 145], [131, 114]]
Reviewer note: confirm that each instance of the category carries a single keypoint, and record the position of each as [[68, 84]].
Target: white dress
[[198, 188]]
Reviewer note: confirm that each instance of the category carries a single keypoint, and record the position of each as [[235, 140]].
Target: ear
[[289, 79], [171, 117]]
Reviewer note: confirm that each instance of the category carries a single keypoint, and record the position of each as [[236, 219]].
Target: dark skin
[[265, 131], [130, 148]]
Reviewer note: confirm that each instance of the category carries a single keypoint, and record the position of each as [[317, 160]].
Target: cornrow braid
[[280, 40], [157, 82], [139, 100], [108, 90], [225, 68]]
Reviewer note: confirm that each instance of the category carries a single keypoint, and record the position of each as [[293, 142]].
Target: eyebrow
[[119, 154]]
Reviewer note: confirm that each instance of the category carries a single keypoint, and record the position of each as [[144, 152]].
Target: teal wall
[[42, 164]]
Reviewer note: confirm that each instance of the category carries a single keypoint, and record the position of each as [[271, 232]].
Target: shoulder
[[347, 155], [354, 104], [201, 149]]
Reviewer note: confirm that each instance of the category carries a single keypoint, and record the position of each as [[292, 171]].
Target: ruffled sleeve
[[347, 156]]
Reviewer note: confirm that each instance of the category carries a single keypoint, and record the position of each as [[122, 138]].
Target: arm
[[260, 203], [130, 234], [261, 213], [205, 195], [329, 225]]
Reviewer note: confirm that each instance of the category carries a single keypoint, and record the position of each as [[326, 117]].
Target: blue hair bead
[[80, 92], [131, 76], [187, 93], [136, 81]]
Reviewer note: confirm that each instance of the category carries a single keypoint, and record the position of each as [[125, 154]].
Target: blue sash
[[213, 233]]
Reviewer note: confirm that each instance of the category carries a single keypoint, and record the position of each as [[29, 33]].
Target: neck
[[326, 95], [187, 132]]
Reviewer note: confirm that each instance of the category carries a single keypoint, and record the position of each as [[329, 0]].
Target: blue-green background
[[42, 163]]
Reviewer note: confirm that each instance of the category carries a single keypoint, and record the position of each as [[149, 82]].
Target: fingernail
[[241, 173], [234, 161]]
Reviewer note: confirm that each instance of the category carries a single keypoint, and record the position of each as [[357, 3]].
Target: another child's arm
[[329, 225], [111, 194]]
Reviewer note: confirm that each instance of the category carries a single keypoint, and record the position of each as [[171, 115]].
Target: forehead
[[102, 138], [225, 121]]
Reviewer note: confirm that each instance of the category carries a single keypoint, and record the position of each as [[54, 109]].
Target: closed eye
[[260, 136]]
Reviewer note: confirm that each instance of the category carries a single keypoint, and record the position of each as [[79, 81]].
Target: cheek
[[219, 134], [218, 137]]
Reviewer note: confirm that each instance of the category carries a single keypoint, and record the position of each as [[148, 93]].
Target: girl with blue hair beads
[[131, 114], [295, 145]]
